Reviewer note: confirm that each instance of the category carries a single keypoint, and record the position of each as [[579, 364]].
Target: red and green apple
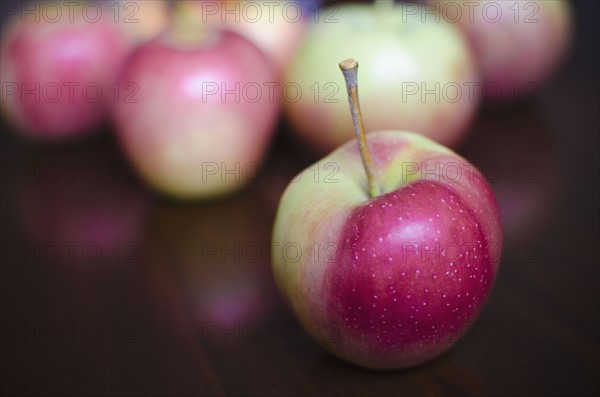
[[387, 268], [203, 112]]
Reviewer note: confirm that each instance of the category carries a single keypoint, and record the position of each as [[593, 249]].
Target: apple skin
[[393, 57], [174, 127], [356, 286], [54, 53], [522, 45]]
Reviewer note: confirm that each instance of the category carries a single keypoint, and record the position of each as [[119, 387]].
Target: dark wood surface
[[182, 301]]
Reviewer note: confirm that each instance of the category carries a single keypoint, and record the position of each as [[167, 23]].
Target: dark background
[[107, 289]]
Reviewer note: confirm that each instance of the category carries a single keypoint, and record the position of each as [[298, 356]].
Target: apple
[[59, 69], [388, 268], [519, 44], [276, 27], [202, 110], [420, 76]]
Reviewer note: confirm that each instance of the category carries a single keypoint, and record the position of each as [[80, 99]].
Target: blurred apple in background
[[276, 27], [83, 205], [518, 43], [202, 113], [415, 75], [59, 68]]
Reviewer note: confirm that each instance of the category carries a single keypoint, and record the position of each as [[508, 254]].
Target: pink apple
[[395, 280], [201, 114], [276, 27], [59, 69], [518, 43], [417, 75]]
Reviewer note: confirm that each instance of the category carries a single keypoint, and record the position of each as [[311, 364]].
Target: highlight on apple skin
[[417, 75], [395, 280], [59, 70], [201, 99], [519, 44]]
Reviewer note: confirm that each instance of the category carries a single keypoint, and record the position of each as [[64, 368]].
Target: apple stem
[[349, 68], [185, 29]]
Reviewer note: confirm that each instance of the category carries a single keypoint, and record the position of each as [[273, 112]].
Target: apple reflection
[[79, 204], [213, 259]]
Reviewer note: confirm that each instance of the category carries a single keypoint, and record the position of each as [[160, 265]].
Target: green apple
[[418, 76]]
